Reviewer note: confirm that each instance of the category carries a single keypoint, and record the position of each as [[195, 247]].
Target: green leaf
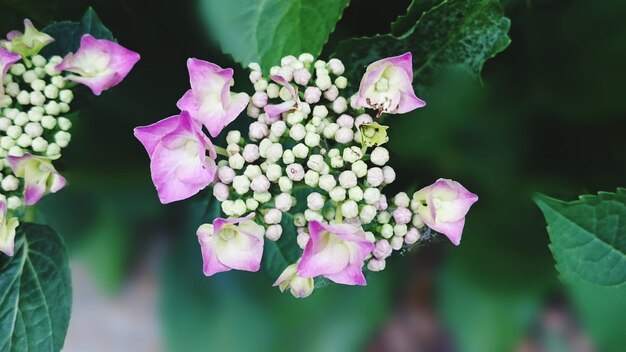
[[35, 292], [67, 34], [264, 31], [456, 33], [405, 24], [588, 242]]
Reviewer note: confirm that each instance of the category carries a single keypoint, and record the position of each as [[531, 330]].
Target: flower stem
[[221, 151], [338, 215]]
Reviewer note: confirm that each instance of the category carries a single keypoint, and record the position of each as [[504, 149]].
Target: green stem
[[221, 151], [338, 215], [29, 214]]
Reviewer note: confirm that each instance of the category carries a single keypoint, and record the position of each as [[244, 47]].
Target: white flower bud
[[375, 176], [361, 119], [315, 162], [302, 76], [382, 249], [17, 69], [52, 108], [255, 76], [14, 131], [312, 95], [397, 242], [340, 105], [295, 172], [48, 122], [331, 93], [311, 178], [401, 200], [236, 161], [371, 195], [233, 149], [220, 191], [283, 202], [273, 90], [241, 184], [376, 264], [327, 182], [312, 139], [66, 96], [278, 128], [344, 135], [386, 231], [330, 130], [412, 236], [227, 207], [24, 141], [323, 82], [341, 82], [10, 183], [352, 154], [260, 183], [355, 193], [239, 207], [16, 151], [367, 214], [252, 204], [383, 217], [417, 221], [273, 172], [345, 121], [33, 129], [320, 111], [310, 215], [252, 171], [233, 137], [274, 152], [260, 85], [336, 67], [40, 145], [262, 197], [285, 184], [347, 179], [315, 201], [14, 202], [400, 230], [337, 194], [302, 239], [359, 168], [29, 76], [258, 130], [274, 232], [62, 138], [350, 209], [264, 146], [288, 157], [297, 132], [251, 153], [379, 156], [389, 174], [300, 151], [21, 119], [273, 216]]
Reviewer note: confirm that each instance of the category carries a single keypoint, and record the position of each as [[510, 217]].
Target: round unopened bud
[[273, 172], [417, 221], [274, 232], [251, 152], [288, 157], [389, 174], [350, 209], [14, 202], [330, 130], [327, 182], [361, 119], [367, 214], [375, 176], [345, 121], [412, 236], [386, 231], [233, 137], [297, 132], [337, 194], [283, 202], [336, 66], [255, 76], [252, 171], [352, 154], [10, 183], [252, 204], [236, 161], [295, 172], [274, 152], [260, 183], [220, 191], [360, 168], [262, 197], [33, 129], [239, 207], [355, 193], [382, 203], [311, 215], [344, 135], [241, 184], [312, 95], [259, 99], [278, 128], [311, 178], [336, 161], [40, 145], [396, 243], [323, 82], [379, 156], [315, 201], [48, 122], [315, 162], [331, 93], [264, 145], [400, 230], [347, 179], [382, 249], [341, 82], [383, 217], [401, 200], [300, 151], [273, 216], [302, 239], [258, 130], [340, 105], [62, 138], [285, 184], [302, 76], [402, 215]]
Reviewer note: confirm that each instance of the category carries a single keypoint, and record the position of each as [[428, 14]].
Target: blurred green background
[[549, 117]]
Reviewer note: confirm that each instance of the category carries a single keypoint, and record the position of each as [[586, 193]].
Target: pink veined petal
[[150, 136]]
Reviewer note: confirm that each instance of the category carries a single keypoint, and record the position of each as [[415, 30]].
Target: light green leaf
[[588, 242], [35, 292], [264, 31], [458, 33], [67, 34]]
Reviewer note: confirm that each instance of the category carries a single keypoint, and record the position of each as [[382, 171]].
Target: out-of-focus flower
[[210, 100], [273, 111], [443, 205], [7, 59], [40, 177], [300, 287], [336, 252], [235, 243], [373, 134], [387, 86], [8, 224], [26, 44], [99, 64], [178, 157]]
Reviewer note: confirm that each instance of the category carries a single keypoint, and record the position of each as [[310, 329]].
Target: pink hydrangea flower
[[336, 252], [227, 244], [210, 100], [8, 225], [387, 86], [178, 162], [300, 287], [7, 59], [274, 111], [40, 177], [99, 64], [443, 205]]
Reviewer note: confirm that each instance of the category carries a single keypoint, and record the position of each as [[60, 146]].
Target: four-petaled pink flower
[[40, 177], [210, 100], [178, 162], [99, 63], [387, 86], [7, 59], [235, 243], [274, 111], [336, 252], [8, 224], [443, 205]]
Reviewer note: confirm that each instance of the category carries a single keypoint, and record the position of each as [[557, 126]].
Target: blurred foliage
[[588, 241], [549, 117]]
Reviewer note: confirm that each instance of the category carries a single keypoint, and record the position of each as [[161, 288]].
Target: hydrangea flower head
[[40, 177], [26, 44]]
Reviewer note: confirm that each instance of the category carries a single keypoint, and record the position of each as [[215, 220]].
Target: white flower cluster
[[313, 153], [33, 120]]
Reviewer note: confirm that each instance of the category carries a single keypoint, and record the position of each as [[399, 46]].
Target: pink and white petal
[[218, 223], [56, 182], [97, 84], [351, 275], [274, 111], [242, 252], [323, 259], [404, 61], [210, 263], [150, 136], [33, 193], [452, 230], [283, 82], [170, 188]]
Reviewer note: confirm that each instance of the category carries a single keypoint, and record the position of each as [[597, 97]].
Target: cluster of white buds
[[323, 150], [34, 112]]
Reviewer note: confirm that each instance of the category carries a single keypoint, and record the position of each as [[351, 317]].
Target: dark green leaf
[[405, 24], [277, 255], [67, 34], [265, 31], [588, 242], [35, 292], [455, 33]]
